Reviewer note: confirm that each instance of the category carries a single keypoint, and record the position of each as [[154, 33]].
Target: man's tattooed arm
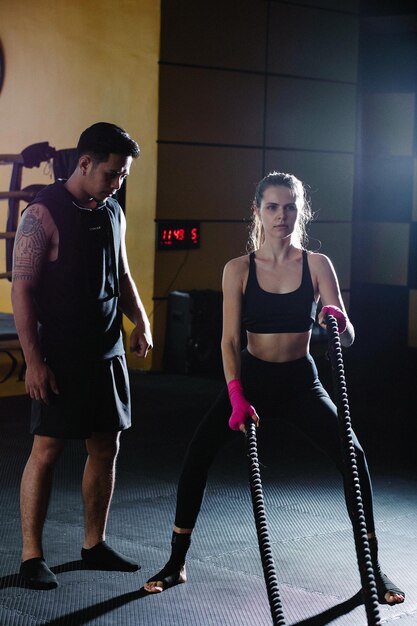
[[31, 245]]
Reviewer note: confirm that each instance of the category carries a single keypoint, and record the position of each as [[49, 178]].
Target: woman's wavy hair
[[305, 214]]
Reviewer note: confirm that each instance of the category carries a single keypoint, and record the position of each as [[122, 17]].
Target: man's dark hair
[[102, 139]]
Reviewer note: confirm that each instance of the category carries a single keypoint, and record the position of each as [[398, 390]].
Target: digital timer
[[178, 235]]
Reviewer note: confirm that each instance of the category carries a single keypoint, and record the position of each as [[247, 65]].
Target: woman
[[273, 292]]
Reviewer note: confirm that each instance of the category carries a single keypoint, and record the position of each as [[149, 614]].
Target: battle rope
[[351, 474], [262, 528]]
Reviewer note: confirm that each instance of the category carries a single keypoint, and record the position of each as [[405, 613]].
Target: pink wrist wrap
[[341, 318], [241, 409]]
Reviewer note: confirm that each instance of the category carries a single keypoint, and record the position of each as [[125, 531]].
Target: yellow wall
[[68, 65]]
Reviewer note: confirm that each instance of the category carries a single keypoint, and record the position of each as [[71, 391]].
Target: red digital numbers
[[167, 237], [175, 236], [179, 234], [170, 235]]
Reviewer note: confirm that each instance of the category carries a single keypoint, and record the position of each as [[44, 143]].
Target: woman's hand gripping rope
[[241, 409], [340, 316]]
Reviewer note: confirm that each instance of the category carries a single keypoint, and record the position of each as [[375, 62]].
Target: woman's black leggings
[[288, 391]]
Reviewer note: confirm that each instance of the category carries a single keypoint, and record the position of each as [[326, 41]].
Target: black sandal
[[174, 572], [169, 576], [384, 585]]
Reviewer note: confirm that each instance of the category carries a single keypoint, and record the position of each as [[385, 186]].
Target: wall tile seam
[[217, 68], [205, 221], [385, 220], [318, 8], [243, 220], [381, 154], [405, 288], [202, 144]]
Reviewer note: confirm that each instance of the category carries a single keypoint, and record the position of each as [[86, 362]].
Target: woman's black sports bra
[[266, 312]]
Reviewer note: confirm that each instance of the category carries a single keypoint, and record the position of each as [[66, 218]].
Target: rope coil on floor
[[351, 474], [262, 528]]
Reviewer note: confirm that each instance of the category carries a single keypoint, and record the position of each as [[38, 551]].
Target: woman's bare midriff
[[279, 347]]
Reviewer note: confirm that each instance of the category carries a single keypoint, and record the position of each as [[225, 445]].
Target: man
[[71, 283]]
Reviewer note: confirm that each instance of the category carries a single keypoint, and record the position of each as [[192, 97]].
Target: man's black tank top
[[78, 294], [266, 312]]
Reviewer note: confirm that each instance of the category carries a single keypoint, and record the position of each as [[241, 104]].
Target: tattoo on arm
[[29, 247]]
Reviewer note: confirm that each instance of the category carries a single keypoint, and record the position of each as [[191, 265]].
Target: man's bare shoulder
[[36, 211], [35, 218], [33, 243]]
